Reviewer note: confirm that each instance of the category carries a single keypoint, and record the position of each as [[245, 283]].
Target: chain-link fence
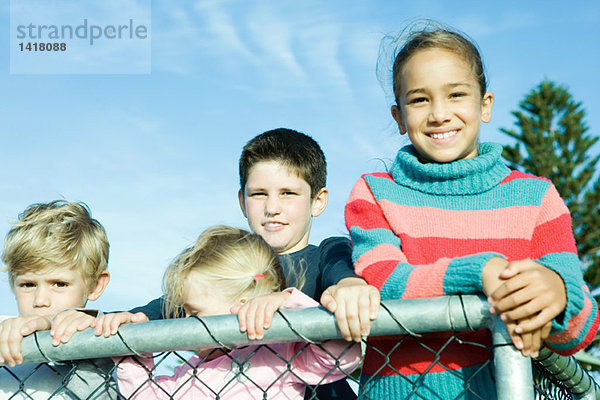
[[295, 352]]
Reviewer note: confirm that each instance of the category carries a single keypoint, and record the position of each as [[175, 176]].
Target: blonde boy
[[56, 257]]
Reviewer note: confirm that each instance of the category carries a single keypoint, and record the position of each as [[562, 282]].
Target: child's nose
[[272, 205], [439, 112], [41, 297]]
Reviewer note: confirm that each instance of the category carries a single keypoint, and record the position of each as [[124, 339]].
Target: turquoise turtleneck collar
[[468, 176]]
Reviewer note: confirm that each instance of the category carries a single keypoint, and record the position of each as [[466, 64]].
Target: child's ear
[[242, 201], [320, 202], [397, 115], [486, 107], [101, 283]]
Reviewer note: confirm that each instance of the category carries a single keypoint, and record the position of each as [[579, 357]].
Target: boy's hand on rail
[[355, 304], [532, 294], [256, 314], [12, 331], [67, 322], [108, 324]]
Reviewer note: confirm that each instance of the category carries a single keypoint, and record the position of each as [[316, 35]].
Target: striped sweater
[[425, 230]]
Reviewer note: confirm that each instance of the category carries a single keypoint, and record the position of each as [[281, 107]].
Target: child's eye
[[457, 95], [257, 194], [417, 100], [289, 193], [26, 285], [61, 284]]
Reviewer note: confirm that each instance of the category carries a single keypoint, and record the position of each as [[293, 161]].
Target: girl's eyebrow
[[413, 91], [448, 86], [453, 85]]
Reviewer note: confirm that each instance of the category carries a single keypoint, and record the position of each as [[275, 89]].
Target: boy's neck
[[296, 250]]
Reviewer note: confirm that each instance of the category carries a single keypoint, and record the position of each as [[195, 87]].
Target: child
[[224, 268], [449, 218], [282, 187], [56, 256]]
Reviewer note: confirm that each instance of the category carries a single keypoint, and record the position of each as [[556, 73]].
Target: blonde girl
[[448, 218], [223, 270]]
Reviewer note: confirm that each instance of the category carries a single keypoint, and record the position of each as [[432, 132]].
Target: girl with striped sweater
[[448, 218]]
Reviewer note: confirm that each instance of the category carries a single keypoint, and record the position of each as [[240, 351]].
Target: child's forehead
[[50, 272], [275, 168]]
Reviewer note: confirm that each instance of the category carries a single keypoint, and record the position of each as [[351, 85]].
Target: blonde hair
[[56, 234], [239, 262]]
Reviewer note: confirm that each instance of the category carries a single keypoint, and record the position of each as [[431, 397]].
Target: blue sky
[[155, 155]]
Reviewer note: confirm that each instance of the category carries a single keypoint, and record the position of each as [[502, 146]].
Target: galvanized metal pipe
[[571, 374], [316, 324], [514, 378], [456, 313]]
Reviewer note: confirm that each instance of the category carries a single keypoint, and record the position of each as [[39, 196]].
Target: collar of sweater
[[461, 177]]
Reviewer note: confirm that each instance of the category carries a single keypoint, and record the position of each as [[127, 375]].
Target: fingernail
[[503, 317], [535, 355], [519, 345], [518, 329]]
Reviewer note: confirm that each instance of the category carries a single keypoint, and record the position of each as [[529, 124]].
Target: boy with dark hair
[[282, 187]]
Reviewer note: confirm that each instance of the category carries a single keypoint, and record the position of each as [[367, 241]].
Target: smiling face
[[50, 290], [279, 207], [440, 106]]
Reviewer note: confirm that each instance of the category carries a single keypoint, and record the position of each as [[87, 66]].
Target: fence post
[[514, 377]]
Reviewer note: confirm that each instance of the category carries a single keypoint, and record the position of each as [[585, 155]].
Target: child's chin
[[211, 354]]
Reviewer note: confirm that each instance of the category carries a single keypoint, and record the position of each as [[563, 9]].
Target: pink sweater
[[245, 373]]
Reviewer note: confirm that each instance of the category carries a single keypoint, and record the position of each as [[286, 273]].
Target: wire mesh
[[293, 374]]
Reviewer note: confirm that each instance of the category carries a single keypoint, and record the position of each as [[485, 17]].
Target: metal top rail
[[396, 317]]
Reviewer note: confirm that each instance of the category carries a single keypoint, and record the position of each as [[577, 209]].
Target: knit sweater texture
[[426, 230]]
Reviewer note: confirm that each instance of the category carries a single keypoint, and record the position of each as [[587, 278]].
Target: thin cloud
[[274, 35], [478, 27], [222, 31]]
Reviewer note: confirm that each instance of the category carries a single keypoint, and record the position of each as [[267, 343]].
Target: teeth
[[443, 135]]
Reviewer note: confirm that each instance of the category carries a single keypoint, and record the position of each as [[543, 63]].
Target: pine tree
[[552, 141]]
